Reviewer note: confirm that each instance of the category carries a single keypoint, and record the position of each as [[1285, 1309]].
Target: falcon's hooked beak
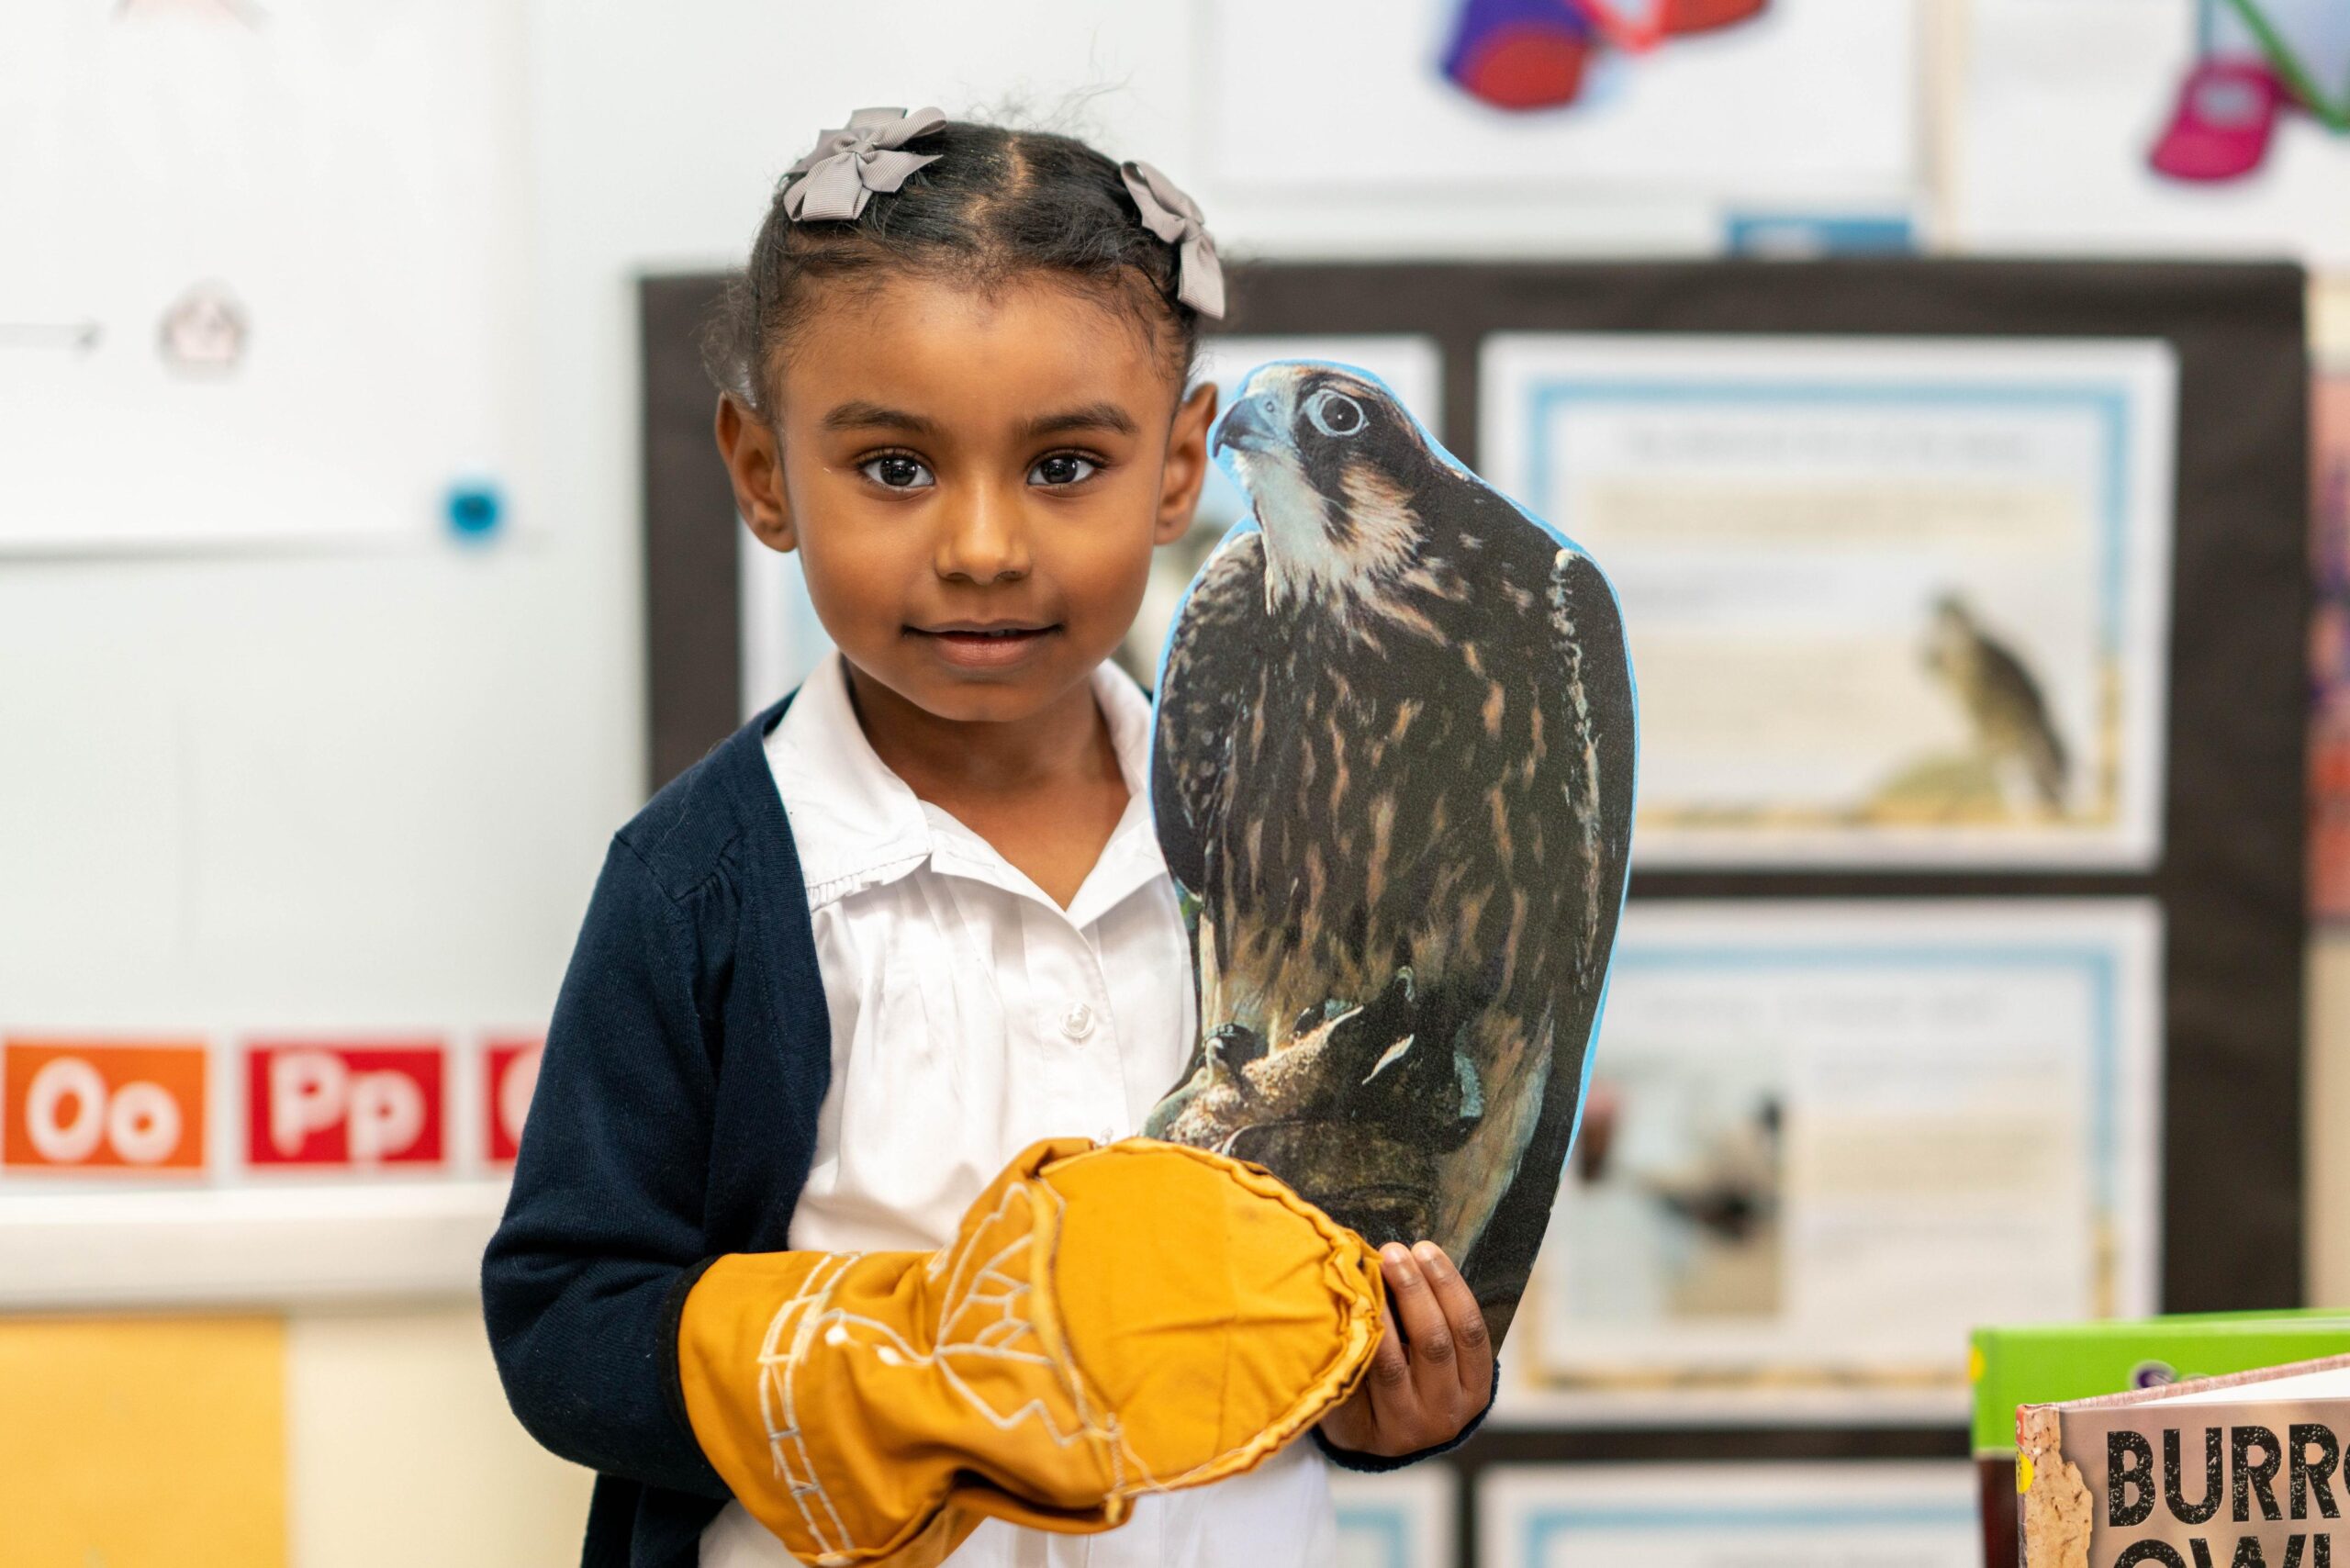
[[1253, 424]]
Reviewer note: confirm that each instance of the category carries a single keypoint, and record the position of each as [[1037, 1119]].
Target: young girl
[[913, 918]]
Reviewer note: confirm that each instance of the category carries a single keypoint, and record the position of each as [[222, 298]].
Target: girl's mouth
[[974, 647]]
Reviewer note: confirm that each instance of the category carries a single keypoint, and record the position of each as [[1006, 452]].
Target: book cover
[[2242, 1470], [2043, 1363]]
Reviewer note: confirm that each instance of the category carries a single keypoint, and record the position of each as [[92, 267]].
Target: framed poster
[[1728, 1515], [1892, 602], [1824, 1140], [1404, 1519]]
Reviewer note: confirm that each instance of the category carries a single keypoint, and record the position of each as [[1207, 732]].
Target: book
[[2043, 1363], [2240, 1471]]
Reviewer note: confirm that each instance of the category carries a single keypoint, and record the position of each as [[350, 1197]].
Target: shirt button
[[1077, 1022]]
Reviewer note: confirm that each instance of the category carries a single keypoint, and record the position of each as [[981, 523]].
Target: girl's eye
[[1062, 468], [896, 470]]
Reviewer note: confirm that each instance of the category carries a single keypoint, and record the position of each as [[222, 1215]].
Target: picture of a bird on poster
[[1392, 774], [2015, 764], [2256, 62], [1539, 54]]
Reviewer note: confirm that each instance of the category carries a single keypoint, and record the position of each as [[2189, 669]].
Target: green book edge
[[2043, 1364]]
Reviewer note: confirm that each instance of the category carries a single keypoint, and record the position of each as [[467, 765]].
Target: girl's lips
[[987, 650]]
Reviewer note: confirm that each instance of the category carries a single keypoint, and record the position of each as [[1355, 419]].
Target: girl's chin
[[985, 686]]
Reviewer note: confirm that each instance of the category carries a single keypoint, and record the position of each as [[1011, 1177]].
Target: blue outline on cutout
[[2095, 963], [1248, 523], [2109, 403]]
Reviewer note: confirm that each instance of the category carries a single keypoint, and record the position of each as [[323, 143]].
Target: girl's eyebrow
[[860, 414], [1103, 416]]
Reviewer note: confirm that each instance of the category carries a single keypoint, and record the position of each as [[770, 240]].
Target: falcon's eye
[[1334, 414]]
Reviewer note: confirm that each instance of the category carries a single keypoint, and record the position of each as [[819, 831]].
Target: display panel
[[1719, 1515], [1825, 1140], [1893, 601]]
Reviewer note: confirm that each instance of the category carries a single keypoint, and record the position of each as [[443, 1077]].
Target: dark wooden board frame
[[2230, 880]]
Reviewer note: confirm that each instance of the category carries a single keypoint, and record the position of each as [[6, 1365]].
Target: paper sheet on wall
[[1799, 100], [1402, 1519], [1728, 1515], [1824, 1140], [263, 276], [2072, 109], [1893, 601]]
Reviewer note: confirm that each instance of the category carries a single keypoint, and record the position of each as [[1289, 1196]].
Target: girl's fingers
[[1388, 1385], [1473, 1350], [1434, 1381]]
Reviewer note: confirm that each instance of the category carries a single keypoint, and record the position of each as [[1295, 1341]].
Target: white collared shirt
[[972, 1015]]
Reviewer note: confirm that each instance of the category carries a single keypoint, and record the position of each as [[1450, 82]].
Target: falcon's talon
[[1233, 1047]]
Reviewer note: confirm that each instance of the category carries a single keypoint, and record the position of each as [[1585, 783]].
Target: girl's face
[[974, 484]]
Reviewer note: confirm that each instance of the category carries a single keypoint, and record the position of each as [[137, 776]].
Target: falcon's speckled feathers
[[1393, 768]]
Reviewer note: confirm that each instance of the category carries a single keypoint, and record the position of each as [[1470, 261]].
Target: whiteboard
[[262, 268]]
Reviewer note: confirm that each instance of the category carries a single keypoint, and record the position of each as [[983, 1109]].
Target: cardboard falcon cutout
[[1392, 774]]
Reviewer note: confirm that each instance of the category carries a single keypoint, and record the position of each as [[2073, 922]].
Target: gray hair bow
[[1175, 218], [849, 164]]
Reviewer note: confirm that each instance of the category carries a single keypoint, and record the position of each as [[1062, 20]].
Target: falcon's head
[[1337, 474]]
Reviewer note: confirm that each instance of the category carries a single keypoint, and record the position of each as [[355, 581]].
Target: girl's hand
[[1417, 1398]]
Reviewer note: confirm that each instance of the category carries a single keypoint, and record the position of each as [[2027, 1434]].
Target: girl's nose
[[983, 541]]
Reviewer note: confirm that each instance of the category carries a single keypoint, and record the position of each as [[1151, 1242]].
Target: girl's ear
[[1187, 465], [755, 466]]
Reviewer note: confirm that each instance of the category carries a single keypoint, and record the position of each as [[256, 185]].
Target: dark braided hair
[[997, 204]]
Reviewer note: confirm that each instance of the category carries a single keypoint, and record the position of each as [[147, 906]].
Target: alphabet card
[[104, 1107], [352, 1106], [510, 1073]]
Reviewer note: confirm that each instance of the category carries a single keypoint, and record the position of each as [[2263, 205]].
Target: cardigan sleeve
[[603, 1232], [1373, 1464]]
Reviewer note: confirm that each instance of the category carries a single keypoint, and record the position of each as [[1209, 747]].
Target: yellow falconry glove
[[1107, 1321]]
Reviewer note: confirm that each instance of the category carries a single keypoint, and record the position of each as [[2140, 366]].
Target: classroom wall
[[373, 789]]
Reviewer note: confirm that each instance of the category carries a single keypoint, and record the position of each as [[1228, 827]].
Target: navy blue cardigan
[[674, 1122]]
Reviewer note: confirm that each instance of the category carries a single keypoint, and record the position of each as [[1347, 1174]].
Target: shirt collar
[[856, 824]]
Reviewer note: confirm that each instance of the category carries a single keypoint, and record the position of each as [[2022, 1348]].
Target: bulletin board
[[2188, 929]]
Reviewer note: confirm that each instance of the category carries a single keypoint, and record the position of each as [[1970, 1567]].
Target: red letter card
[[510, 1072], [357, 1106]]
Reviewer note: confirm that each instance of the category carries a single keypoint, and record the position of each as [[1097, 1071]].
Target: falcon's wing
[[1590, 695], [1598, 687], [1202, 694]]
